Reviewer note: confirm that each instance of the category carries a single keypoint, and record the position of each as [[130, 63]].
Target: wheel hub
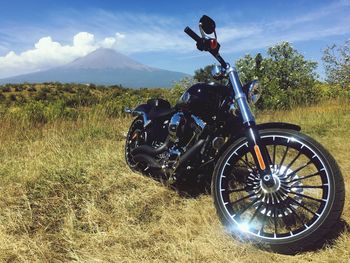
[[275, 186], [277, 193]]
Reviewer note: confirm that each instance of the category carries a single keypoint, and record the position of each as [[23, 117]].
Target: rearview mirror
[[207, 24]]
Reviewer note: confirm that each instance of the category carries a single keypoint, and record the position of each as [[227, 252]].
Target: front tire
[[295, 215]]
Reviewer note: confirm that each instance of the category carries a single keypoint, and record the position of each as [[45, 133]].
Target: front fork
[[256, 147]]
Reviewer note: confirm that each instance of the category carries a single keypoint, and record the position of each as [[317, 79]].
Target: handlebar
[[204, 44], [192, 34]]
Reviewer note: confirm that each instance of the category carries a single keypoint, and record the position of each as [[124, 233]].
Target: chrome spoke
[[299, 169], [305, 177], [307, 186], [264, 219], [306, 196], [246, 162], [295, 214], [255, 213], [237, 190], [275, 218], [284, 156], [301, 205], [291, 163], [243, 198], [247, 207]]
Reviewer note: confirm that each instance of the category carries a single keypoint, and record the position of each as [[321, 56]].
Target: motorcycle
[[271, 184]]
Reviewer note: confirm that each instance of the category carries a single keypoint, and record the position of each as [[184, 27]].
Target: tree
[[204, 74], [250, 68], [288, 69], [286, 76], [337, 64]]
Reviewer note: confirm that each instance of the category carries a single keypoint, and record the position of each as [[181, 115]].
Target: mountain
[[106, 67]]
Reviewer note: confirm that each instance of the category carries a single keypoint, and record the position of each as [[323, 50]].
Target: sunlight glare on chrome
[[243, 227]]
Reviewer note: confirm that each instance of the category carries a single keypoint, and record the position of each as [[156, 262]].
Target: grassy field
[[67, 195]]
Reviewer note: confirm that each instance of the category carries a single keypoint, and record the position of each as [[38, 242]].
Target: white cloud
[[48, 53]]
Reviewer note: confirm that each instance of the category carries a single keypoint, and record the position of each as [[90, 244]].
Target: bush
[[41, 96], [5, 89], [12, 97], [55, 110], [21, 99], [34, 113], [18, 88], [31, 89]]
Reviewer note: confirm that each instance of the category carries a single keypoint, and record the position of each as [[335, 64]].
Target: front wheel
[[298, 210]]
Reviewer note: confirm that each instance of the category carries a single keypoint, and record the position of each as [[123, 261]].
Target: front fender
[[278, 125], [263, 126]]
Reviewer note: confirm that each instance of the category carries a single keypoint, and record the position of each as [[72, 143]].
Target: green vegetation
[[337, 64], [42, 103], [67, 195], [287, 77]]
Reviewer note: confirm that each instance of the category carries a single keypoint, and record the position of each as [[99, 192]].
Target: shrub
[[34, 113], [31, 89], [5, 89], [12, 97], [18, 88], [41, 95]]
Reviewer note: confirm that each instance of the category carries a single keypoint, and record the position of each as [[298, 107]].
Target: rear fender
[[149, 110], [143, 111]]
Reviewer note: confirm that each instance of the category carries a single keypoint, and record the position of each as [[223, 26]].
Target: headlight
[[217, 72], [254, 91]]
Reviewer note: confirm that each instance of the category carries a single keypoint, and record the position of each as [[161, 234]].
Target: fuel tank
[[203, 100]]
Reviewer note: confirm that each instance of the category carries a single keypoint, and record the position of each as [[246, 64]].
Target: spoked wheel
[[135, 137], [298, 210]]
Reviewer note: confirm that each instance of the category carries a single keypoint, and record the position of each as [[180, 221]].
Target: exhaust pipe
[[148, 160], [148, 150], [187, 155]]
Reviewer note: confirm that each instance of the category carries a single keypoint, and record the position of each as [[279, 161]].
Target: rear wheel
[[298, 211], [136, 137]]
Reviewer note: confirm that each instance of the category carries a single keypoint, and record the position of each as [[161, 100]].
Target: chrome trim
[[198, 121], [146, 120], [174, 124], [128, 110], [240, 96]]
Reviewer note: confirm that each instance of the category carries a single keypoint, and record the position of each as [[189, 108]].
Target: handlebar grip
[[192, 34]]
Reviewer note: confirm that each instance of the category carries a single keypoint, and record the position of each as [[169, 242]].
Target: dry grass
[[67, 195]]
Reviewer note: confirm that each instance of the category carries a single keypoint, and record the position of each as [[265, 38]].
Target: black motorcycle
[[271, 184]]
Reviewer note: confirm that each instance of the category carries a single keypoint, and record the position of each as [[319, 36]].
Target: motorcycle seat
[[159, 108], [159, 113]]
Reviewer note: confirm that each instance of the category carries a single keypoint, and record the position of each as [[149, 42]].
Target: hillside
[[67, 195], [103, 67]]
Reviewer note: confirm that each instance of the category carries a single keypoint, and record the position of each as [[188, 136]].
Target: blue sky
[[36, 35]]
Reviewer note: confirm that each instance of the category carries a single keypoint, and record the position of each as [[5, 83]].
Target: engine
[[184, 131]]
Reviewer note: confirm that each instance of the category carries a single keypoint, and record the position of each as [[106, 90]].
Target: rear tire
[[299, 212], [134, 138]]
